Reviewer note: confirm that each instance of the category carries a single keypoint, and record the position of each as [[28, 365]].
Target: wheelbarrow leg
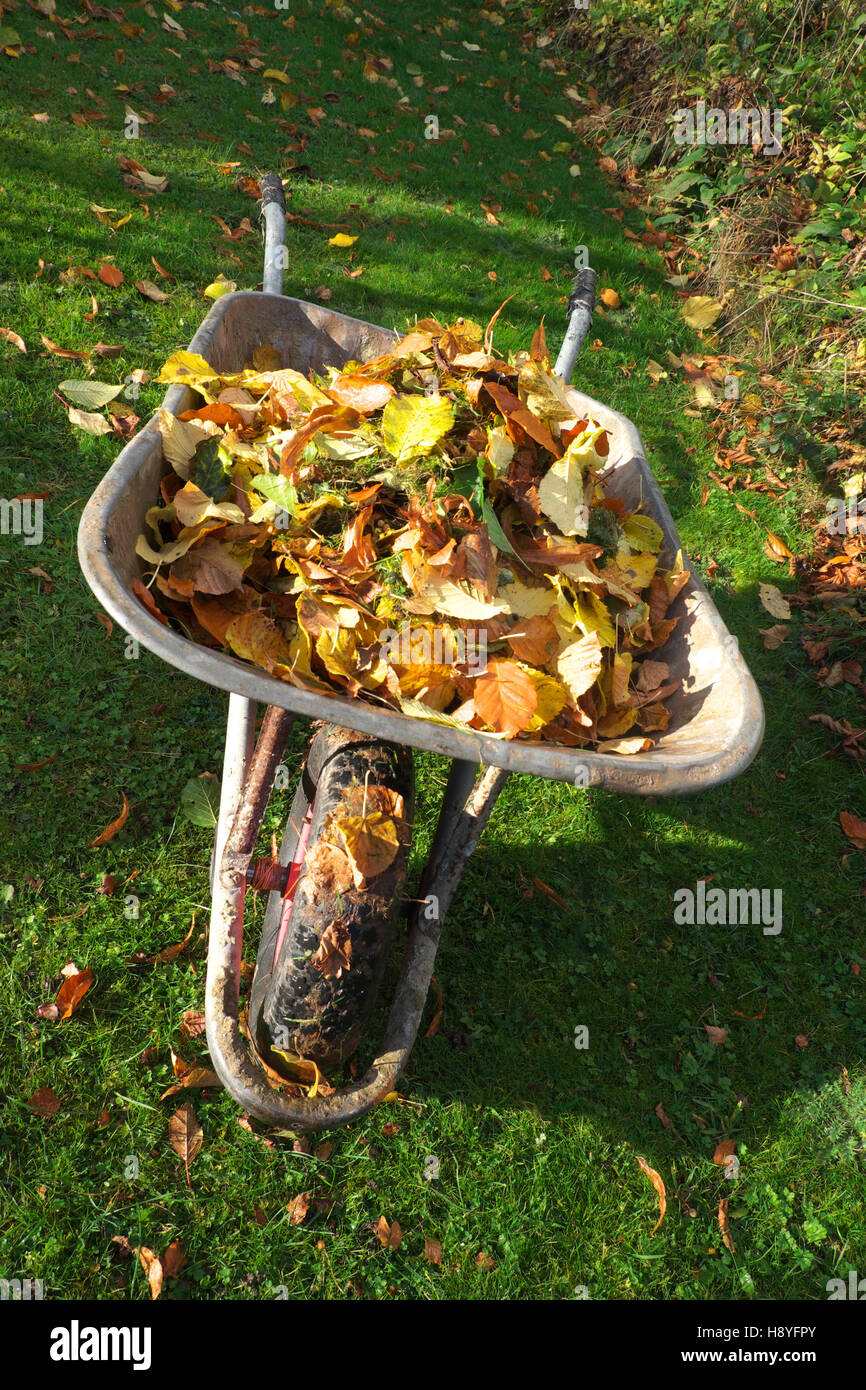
[[466, 808]]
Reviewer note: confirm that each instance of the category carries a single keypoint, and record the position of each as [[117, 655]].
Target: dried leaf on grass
[[658, 1184]]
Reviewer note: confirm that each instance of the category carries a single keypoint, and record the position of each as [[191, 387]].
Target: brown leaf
[[334, 953], [659, 1186], [59, 351], [724, 1225], [44, 1102], [145, 597], [151, 291], [854, 828], [610, 298], [298, 1208], [110, 275], [534, 640], [185, 1135], [433, 1251], [327, 872], [390, 1235], [717, 1036], [72, 991], [173, 1260], [665, 1119], [192, 1078], [484, 1262], [192, 1024], [774, 636], [161, 270], [111, 830], [725, 1150], [323, 1151]]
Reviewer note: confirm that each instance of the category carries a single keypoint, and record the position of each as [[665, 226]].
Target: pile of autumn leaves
[[428, 531]]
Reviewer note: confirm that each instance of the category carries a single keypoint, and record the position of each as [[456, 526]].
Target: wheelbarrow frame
[[250, 765]]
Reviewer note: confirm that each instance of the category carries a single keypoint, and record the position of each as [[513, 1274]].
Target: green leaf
[[207, 471], [277, 489], [200, 800], [90, 394], [413, 425]]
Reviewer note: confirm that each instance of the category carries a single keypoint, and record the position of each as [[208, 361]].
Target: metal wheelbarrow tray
[[715, 729], [716, 718]]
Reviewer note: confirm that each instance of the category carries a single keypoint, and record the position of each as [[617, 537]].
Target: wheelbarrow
[[715, 730]]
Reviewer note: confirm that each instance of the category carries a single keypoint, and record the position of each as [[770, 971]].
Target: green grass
[[537, 1141]]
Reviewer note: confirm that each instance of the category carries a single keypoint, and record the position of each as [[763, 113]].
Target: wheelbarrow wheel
[[295, 1006]]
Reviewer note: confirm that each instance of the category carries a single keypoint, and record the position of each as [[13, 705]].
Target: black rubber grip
[[272, 191], [583, 291]]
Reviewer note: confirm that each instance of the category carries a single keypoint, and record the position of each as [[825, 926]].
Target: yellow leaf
[[579, 665], [543, 393], [370, 841], [592, 616], [256, 637], [563, 493], [342, 240], [700, 310], [452, 598], [500, 450], [274, 75], [642, 533], [550, 695], [219, 287], [181, 438], [413, 425], [772, 600]]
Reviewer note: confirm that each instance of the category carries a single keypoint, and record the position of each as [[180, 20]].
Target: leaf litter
[[430, 531]]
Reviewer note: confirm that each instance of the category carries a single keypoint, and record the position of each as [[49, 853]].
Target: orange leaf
[[390, 1234], [298, 1208], [152, 1266], [724, 1225], [110, 275], [111, 830], [14, 338], [659, 1186], [505, 697], [72, 991], [360, 394]]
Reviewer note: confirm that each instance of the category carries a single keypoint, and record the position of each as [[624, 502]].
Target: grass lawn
[[537, 1141]]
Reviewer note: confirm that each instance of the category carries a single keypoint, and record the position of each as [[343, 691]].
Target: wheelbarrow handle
[[581, 304], [273, 219]]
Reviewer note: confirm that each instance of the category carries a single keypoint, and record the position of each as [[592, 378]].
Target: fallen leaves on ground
[[185, 1135], [116, 825], [659, 1186], [724, 1225], [390, 1233], [44, 1102]]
